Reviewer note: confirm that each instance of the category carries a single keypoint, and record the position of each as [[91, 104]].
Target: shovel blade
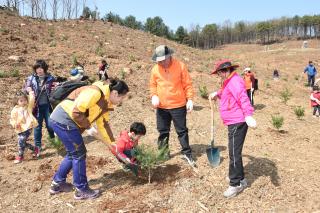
[[213, 155]]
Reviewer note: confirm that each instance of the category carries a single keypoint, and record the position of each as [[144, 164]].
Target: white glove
[[189, 105], [251, 122], [92, 131], [252, 89], [213, 95], [155, 101]]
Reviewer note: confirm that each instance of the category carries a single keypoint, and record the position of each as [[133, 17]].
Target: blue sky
[[179, 12]]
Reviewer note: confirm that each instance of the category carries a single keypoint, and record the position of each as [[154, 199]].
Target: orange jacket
[[249, 80], [173, 86]]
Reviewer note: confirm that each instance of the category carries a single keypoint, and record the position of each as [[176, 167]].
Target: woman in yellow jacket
[[171, 93], [70, 118]]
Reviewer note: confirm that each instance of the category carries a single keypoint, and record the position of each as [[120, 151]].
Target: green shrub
[[4, 31], [148, 157], [52, 44], [285, 95], [14, 72], [51, 31], [56, 144], [64, 38], [299, 111], [277, 121], [203, 91], [138, 66], [132, 58], [100, 50], [122, 74], [3, 74], [268, 85], [74, 60]]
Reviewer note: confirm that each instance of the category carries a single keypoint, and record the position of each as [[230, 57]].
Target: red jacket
[[317, 96], [124, 142]]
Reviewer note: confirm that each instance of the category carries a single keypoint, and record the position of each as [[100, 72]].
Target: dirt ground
[[282, 168]]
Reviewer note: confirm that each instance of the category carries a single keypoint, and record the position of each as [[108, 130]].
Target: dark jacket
[[34, 82]]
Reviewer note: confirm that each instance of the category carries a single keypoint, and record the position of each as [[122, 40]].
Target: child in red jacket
[[124, 148], [315, 100]]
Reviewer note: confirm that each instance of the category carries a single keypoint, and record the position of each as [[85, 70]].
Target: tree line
[[206, 37]]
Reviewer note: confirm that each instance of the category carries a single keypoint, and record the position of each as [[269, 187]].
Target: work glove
[[213, 96], [155, 101], [251, 122], [189, 105], [92, 131]]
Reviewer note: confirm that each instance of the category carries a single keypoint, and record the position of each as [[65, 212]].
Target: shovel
[[213, 153]]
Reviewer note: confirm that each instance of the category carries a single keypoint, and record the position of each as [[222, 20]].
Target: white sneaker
[[243, 182], [232, 191]]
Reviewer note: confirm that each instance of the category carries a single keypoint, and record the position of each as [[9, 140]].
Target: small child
[[124, 148], [275, 74], [23, 122], [315, 100], [103, 68]]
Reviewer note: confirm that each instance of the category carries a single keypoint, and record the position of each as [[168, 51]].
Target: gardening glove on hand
[[92, 131], [155, 101], [213, 96], [251, 122], [189, 105]]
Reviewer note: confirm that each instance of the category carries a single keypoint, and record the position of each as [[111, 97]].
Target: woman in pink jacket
[[236, 113]]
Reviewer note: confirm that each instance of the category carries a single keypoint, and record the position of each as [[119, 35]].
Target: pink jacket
[[234, 103]]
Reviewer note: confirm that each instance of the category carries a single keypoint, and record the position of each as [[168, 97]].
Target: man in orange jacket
[[249, 81], [171, 93]]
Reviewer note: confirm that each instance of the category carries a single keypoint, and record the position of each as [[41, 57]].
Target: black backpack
[[62, 91]]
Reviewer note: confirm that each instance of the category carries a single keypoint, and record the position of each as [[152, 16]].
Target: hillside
[[281, 167]]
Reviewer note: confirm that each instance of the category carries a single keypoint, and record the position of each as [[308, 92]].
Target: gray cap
[[161, 53]]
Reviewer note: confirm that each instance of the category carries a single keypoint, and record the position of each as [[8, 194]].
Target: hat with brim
[[223, 64], [247, 69], [161, 53]]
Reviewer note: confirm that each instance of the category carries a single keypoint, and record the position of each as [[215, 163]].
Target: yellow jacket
[[173, 86], [21, 118], [87, 107]]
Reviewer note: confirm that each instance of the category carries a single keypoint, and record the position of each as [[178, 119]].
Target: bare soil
[[282, 168]]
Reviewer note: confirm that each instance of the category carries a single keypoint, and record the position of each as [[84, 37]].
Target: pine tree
[[148, 157]]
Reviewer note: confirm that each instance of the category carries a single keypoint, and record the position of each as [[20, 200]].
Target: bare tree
[[76, 8], [67, 4], [54, 6]]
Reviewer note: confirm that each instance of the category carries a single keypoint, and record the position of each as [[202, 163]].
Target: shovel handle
[[212, 122]]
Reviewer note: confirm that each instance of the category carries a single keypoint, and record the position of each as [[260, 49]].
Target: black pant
[[236, 134], [178, 116], [105, 75], [315, 109], [311, 79], [249, 95]]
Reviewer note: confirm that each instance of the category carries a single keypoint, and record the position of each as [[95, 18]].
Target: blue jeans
[[75, 158], [22, 142], [43, 113]]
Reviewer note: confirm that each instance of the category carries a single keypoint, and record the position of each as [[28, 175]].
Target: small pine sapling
[[285, 95], [56, 144], [148, 157], [203, 91], [299, 111], [277, 121]]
